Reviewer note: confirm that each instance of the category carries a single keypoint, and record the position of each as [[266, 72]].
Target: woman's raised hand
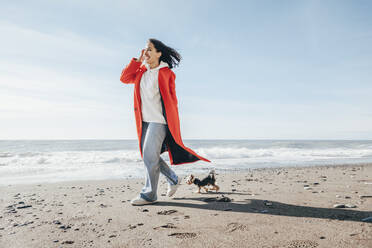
[[142, 57]]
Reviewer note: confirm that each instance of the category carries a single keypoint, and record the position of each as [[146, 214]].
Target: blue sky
[[250, 69]]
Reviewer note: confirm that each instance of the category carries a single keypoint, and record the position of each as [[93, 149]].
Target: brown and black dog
[[210, 180]]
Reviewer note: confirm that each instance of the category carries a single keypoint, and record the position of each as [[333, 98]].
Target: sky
[[250, 69]]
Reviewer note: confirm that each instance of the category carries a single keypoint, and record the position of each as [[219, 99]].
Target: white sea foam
[[44, 161], [274, 154]]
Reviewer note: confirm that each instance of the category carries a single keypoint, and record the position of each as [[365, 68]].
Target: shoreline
[[218, 171], [268, 207]]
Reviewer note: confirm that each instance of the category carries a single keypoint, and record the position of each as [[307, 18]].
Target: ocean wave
[[41, 164], [225, 152], [121, 160], [6, 155], [28, 154], [42, 161], [287, 153], [89, 158], [217, 153], [271, 154], [112, 160]]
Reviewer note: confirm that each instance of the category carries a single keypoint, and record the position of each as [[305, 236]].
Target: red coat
[[178, 152]]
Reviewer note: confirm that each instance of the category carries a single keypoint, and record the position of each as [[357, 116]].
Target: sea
[[49, 161]]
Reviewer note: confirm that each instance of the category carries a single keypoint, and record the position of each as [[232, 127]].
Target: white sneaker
[[173, 188], [140, 201]]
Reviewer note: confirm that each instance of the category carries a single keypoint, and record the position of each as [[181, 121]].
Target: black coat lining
[[179, 155]]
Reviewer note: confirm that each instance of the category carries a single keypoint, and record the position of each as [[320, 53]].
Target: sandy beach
[[324, 206]]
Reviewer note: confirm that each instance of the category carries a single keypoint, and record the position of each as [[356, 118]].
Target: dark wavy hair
[[168, 54]]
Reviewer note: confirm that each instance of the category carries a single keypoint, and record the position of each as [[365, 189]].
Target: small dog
[[207, 181]]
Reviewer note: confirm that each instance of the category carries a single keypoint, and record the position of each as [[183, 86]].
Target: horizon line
[[263, 139]]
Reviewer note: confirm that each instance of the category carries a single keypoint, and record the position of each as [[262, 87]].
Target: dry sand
[[285, 207]]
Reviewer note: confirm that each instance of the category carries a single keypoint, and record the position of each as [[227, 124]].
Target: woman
[[157, 120]]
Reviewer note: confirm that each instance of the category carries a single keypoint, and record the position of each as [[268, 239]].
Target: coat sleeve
[[172, 87], [130, 71]]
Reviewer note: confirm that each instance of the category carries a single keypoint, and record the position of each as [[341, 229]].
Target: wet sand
[[283, 207]]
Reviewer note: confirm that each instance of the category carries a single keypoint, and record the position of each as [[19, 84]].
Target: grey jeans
[[153, 135]]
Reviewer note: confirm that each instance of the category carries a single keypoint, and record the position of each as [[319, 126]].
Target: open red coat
[[178, 152]]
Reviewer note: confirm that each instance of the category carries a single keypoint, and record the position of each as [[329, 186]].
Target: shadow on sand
[[259, 206]]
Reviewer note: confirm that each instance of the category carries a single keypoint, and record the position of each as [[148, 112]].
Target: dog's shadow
[[261, 206], [211, 193]]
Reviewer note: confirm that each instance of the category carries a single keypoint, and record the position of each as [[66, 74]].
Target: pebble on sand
[[365, 196], [167, 212], [350, 206], [339, 206], [344, 206], [68, 242], [25, 206]]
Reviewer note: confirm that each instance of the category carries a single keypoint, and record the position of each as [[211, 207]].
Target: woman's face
[[151, 55]]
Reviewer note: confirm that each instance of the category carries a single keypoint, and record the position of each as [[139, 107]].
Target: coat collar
[[162, 64]]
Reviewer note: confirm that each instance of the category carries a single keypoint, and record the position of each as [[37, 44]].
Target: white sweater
[[150, 96]]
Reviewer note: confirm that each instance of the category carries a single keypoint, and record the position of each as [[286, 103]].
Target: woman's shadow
[[211, 202]]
